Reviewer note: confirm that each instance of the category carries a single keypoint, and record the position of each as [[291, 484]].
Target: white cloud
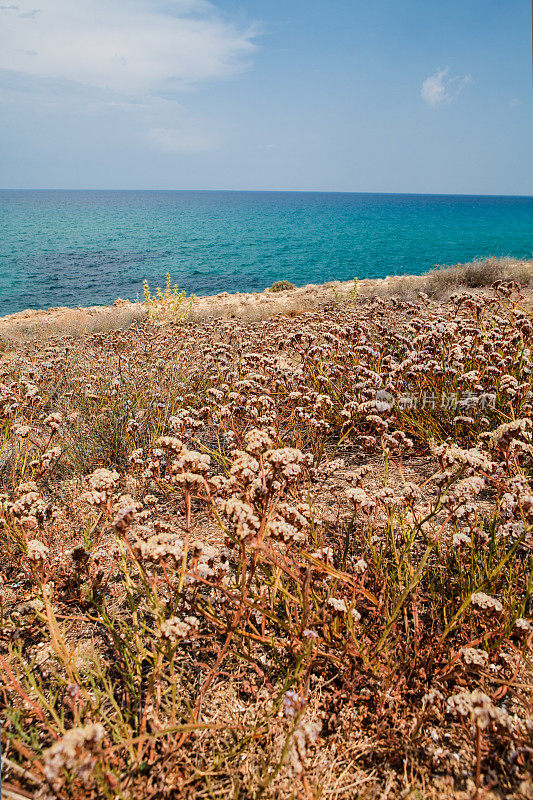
[[127, 46], [515, 102], [442, 88], [175, 140]]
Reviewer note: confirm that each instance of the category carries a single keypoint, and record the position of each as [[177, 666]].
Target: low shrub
[[282, 286]]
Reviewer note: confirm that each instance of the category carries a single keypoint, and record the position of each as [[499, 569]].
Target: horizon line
[[271, 191]]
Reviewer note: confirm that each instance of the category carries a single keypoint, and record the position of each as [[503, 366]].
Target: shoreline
[[477, 275], [252, 306]]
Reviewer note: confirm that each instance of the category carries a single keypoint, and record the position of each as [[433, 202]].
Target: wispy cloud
[[129, 46], [120, 64], [441, 88]]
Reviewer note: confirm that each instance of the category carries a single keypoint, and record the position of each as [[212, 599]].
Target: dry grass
[[40, 326], [271, 559], [441, 282], [282, 298]]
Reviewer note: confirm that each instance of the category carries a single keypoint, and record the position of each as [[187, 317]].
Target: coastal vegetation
[[282, 286], [285, 558], [170, 303]]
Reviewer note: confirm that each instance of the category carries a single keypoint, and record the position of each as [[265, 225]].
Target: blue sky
[[345, 95]]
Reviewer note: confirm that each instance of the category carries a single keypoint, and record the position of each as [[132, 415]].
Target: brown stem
[[478, 761]]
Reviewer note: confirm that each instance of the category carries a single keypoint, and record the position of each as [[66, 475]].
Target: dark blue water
[[82, 248]]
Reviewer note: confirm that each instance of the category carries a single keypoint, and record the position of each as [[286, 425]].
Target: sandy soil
[[250, 306], [30, 324]]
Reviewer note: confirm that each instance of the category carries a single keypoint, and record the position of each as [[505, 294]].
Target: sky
[[312, 95]]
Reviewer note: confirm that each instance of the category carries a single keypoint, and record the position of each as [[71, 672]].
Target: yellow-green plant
[[169, 303]]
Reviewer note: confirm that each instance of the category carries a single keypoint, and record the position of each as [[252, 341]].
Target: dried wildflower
[[431, 698], [244, 468], [305, 735], [48, 457], [511, 530], [387, 498], [53, 421], [452, 456], [356, 616], [103, 481], [292, 703], [357, 476], [22, 430], [523, 626], [159, 547], [25, 487], [360, 567], [461, 539], [473, 657], [486, 602], [286, 461], [257, 442], [459, 704], [136, 457], [37, 551], [331, 467], [357, 495], [284, 531], [94, 498], [242, 516], [74, 752], [190, 481], [27, 502], [190, 461], [338, 605], [125, 516], [479, 707], [174, 629], [170, 443], [298, 516], [502, 437], [325, 554]]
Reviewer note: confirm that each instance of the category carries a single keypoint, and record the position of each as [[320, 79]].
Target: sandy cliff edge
[[252, 306]]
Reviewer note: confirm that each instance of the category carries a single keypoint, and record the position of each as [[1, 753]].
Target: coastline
[[252, 306], [440, 282]]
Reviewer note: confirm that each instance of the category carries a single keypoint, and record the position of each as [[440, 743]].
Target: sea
[[80, 248]]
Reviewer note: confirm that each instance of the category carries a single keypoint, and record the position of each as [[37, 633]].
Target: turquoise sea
[[82, 248]]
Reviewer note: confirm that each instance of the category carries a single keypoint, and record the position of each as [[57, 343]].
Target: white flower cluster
[[285, 461], [74, 752], [30, 508], [102, 483], [159, 547], [451, 456], [473, 657], [37, 551], [257, 441], [303, 737], [360, 498], [174, 629], [53, 421], [479, 707], [170, 443], [485, 602], [243, 517], [506, 436]]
